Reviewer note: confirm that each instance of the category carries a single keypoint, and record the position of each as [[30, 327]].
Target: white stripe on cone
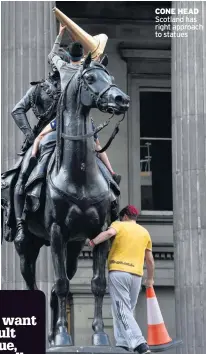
[[154, 315]]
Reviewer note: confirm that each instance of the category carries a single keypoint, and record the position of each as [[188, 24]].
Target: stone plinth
[[87, 350]]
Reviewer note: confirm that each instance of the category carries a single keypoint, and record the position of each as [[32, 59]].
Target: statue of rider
[[42, 98]]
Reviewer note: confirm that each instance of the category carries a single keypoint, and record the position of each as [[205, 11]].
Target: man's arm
[[149, 260], [103, 236], [48, 129], [54, 54], [20, 118]]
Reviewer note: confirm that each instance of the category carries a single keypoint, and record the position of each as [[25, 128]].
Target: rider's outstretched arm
[[54, 54], [48, 129]]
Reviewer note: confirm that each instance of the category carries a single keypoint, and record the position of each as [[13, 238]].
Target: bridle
[[96, 97]]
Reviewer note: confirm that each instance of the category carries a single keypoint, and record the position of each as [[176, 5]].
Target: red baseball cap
[[132, 210]]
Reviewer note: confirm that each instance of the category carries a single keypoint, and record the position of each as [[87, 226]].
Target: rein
[[104, 124], [97, 130], [114, 133]]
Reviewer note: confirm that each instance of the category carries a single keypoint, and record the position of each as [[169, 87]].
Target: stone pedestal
[[87, 350], [189, 181]]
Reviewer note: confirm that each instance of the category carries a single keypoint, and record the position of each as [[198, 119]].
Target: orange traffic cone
[[158, 338]]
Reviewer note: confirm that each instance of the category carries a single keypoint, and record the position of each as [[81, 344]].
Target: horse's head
[[98, 89]]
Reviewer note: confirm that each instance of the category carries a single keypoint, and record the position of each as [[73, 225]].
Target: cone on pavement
[[158, 338]]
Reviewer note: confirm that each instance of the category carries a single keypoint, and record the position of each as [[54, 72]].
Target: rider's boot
[[20, 229], [19, 201]]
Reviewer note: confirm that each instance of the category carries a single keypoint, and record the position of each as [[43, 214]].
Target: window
[[155, 149]]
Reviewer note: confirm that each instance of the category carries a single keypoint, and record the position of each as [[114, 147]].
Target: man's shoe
[[121, 346], [117, 178], [114, 210], [142, 349]]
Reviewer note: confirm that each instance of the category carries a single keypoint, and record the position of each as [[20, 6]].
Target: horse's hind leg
[[98, 289], [58, 249], [28, 247]]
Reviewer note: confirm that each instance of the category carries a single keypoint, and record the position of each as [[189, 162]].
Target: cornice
[[134, 53], [161, 252], [155, 219]]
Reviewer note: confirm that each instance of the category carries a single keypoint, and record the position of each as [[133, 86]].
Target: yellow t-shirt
[[128, 247]]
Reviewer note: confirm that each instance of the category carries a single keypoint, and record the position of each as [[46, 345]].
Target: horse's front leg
[[98, 289], [54, 314], [58, 249]]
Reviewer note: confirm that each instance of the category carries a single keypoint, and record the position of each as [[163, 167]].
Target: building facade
[[145, 67]]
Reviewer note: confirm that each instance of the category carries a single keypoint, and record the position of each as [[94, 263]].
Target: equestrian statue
[[61, 191]]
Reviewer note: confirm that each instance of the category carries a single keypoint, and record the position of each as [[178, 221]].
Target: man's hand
[[62, 28], [98, 58], [89, 243], [31, 137], [149, 282], [150, 268]]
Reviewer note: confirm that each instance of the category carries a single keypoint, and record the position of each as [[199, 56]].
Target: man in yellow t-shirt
[[130, 247]]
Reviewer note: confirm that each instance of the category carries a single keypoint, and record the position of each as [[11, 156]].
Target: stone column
[[28, 34], [189, 181]]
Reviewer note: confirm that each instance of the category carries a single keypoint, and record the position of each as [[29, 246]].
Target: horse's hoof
[[51, 343], [62, 339], [51, 339], [101, 339]]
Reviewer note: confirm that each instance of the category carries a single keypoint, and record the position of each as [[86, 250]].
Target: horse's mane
[[75, 79]]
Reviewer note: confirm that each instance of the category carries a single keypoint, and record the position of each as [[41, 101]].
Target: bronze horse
[[75, 204]]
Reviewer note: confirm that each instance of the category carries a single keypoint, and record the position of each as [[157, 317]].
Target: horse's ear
[[104, 60], [87, 60]]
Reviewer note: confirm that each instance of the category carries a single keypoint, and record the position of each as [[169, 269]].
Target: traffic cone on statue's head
[[158, 338], [94, 44]]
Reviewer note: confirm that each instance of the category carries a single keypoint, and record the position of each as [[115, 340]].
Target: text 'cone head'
[[95, 45]]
